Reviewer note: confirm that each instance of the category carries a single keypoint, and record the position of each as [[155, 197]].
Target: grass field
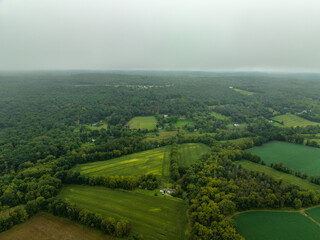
[[189, 153], [314, 213], [244, 92], [104, 125], [286, 178], [182, 123], [271, 225], [155, 161], [155, 218], [148, 122], [298, 157], [45, 226], [290, 120], [219, 116], [161, 135]]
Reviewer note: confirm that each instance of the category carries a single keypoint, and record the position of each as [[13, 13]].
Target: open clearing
[[45, 226], [182, 123], [155, 161], [153, 217], [148, 122], [98, 126], [298, 157], [290, 120], [286, 178], [271, 225], [161, 135], [244, 92], [219, 116], [189, 153]]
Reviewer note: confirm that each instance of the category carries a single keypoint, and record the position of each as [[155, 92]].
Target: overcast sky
[[281, 35]]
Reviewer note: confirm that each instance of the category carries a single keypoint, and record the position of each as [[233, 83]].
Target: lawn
[[148, 122], [153, 217], [290, 120], [271, 225], [286, 178], [244, 92], [45, 226], [298, 157], [155, 161]]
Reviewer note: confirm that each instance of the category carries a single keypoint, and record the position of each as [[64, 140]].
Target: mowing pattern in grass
[[189, 153], [244, 92], [314, 213], [268, 225], [298, 157], [155, 218], [290, 120], [45, 226], [286, 178], [155, 161], [149, 123]]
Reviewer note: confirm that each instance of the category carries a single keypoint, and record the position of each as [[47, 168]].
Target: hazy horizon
[[167, 35]]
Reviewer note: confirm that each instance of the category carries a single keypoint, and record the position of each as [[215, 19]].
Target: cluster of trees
[[12, 217], [111, 226], [217, 188], [148, 181]]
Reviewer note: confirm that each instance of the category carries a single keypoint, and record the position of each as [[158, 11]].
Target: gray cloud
[[160, 34]]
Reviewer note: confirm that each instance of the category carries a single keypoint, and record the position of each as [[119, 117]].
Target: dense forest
[[46, 121]]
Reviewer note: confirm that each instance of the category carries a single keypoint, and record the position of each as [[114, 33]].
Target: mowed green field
[[298, 157], [45, 226], [155, 161], [314, 213], [182, 123], [272, 225], [155, 218], [290, 120], [286, 178], [148, 122], [189, 153]]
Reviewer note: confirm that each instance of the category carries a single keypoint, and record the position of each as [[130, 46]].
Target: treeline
[[148, 181], [174, 167], [12, 217], [217, 187], [110, 225]]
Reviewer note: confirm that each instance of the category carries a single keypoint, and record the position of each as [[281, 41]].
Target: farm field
[[271, 225], [161, 135], [314, 213], [148, 122], [45, 226], [290, 120], [153, 217], [298, 157], [286, 178], [189, 153], [155, 161]]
